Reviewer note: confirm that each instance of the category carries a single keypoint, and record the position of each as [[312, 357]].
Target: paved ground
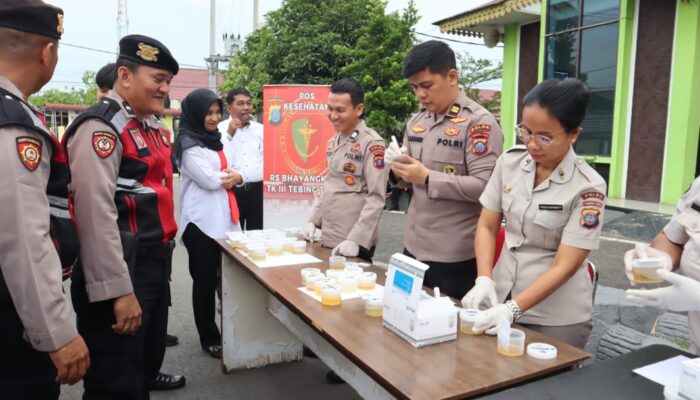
[[305, 379]]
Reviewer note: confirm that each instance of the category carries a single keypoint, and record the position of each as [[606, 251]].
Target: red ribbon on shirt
[[232, 203]]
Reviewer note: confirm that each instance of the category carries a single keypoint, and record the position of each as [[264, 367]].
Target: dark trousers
[[25, 373], [204, 261], [250, 205], [366, 254], [122, 365], [454, 279]]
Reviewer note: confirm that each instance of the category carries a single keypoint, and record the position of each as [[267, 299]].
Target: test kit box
[[409, 312], [689, 385]]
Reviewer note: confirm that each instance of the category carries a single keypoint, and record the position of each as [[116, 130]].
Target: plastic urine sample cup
[[374, 307], [275, 248], [306, 271], [644, 270], [293, 232], [467, 317], [311, 279], [348, 283], [512, 344], [299, 247], [330, 295], [367, 281], [354, 270], [257, 253], [287, 244], [319, 283], [336, 262], [334, 273]]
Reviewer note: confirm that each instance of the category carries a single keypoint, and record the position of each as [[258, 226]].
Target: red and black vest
[[14, 112], [144, 193]]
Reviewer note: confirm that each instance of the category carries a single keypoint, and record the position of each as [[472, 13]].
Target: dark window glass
[[598, 11], [561, 55], [597, 127], [599, 56], [563, 15]]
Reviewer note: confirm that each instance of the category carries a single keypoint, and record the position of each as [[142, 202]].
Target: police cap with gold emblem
[[33, 16], [147, 51]]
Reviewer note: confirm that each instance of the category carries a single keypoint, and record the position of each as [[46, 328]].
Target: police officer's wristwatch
[[514, 308]]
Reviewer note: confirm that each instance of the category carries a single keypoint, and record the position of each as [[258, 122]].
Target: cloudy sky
[[183, 26]]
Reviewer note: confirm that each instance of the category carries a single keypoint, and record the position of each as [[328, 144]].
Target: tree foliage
[[320, 41], [73, 96], [473, 71]]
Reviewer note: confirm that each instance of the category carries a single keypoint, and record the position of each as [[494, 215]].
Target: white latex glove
[[484, 289], [491, 320], [643, 250], [683, 295], [393, 151], [346, 248], [310, 232]]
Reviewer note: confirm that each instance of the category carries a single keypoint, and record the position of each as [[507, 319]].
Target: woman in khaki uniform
[[553, 204]]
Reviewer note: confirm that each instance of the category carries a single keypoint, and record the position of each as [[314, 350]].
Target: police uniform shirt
[[566, 208], [94, 182], [460, 149], [354, 189], [28, 259], [247, 148], [684, 230]]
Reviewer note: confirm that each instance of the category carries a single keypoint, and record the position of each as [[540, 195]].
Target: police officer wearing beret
[[451, 148], [119, 155], [40, 347]]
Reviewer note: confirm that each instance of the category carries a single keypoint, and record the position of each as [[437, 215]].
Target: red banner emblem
[[103, 143], [29, 152]]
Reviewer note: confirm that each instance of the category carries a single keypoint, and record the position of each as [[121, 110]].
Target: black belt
[[246, 187], [162, 251]]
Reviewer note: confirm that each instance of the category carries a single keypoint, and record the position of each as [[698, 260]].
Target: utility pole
[[214, 59], [122, 21], [255, 15]]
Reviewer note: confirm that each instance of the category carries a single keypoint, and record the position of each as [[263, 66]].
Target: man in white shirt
[[243, 144]]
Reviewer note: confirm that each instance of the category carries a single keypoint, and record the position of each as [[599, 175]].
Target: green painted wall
[[623, 80], [509, 94], [684, 104], [543, 42]]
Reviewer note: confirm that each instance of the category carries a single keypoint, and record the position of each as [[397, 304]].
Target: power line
[[114, 53], [453, 40]]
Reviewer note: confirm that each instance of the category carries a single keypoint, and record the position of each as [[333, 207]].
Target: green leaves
[[320, 41], [72, 96]]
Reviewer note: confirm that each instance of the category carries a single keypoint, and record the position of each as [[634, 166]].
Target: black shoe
[[214, 351], [309, 353], [167, 382], [171, 340], [333, 378]]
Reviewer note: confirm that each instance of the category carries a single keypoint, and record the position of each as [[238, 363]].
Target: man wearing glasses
[[452, 146]]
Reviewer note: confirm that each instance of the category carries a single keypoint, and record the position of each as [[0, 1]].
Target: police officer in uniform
[[353, 196], [677, 247], [119, 155], [451, 148], [39, 344], [553, 205]]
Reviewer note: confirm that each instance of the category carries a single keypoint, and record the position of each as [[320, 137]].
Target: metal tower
[[122, 21]]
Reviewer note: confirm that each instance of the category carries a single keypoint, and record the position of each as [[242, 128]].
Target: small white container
[[257, 253], [348, 283], [367, 281], [336, 262], [467, 317], [513, 344], [311, 279], [299, 247], [541, 351], [330, 295], [374, 307], [354, 270], [334, 273], [306, 271], [293, 232], [275, 248]]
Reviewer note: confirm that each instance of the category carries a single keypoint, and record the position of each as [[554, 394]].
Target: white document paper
[[284, 260], [666, 372], [377, 291]]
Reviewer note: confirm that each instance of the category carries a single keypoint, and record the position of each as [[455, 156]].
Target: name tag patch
[[450, 142], [551, 207]]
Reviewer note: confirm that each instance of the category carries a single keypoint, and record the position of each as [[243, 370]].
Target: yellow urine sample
[[257, 256], [336, 266], [298, 250], [373, 311], [275, 251], [365, 285], [330, 299], [466, 328], [287, 247], [512, 350], [640, 277]]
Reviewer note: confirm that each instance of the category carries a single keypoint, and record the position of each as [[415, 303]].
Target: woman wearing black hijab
[[208, 206]]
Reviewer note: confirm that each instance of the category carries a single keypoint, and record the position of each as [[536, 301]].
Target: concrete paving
[[305, 379]]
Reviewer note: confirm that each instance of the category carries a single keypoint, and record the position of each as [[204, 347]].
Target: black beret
[[33, 16], [147, 51]]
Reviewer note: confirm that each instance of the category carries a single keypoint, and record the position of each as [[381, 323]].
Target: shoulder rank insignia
[[103, 143], [590, 218], [164, 137], [457, 120], [29, 152], [354, 135], [454, 110], [418, 129], [148, 53]]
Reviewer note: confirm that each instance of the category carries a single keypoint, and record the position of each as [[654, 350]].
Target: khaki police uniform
[[460, 149], [354, 189], [34, 313], [684, 229], [566, 208]]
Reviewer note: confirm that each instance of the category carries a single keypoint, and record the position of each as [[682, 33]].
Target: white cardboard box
[[689, 385], [420, 319]]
